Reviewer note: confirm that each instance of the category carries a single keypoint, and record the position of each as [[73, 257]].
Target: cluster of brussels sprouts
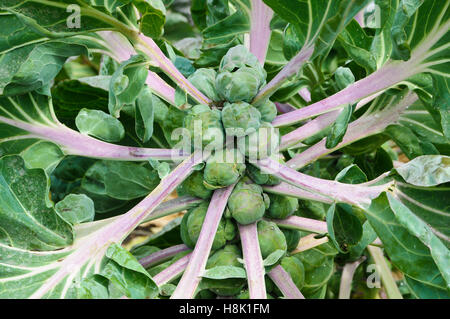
[[231, 115]]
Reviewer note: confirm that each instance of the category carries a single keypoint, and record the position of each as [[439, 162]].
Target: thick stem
[[284, 108], [301, 223], [361, 128], [289, 190], [149, 47], [293, 66], [93, 247], [121, 50], [387, 279], [284, 282], [260, 18], [348, 272], [169, 207], [317, 125], [75, 143], [173, 271], [162, 255], [390, 74], [253, 261], [347, 193], [188, 284]]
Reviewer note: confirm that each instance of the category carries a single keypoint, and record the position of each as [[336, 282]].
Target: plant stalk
[[345, 287], [253, 261], [387, 279], [284, 282], [173, 271], [188, 284], [162, 255]]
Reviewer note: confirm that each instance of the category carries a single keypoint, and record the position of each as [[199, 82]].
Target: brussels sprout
[[239, 57], [223, 168], [270, 238], [242, 85], [202, 119], [260, 177], [191, 226], [281, 206], [240, 119], [193, 186], [227, 256], [260, 144], [184, 231], [295, 269], [268, 111], [205, 80], [292, 238], [246, 203]]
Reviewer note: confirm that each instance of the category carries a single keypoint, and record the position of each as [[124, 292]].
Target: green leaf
[[344, 227], [405, 250], [352, 174], [126, 84], [144, 115], [99, 124], [421, 230], [120, 180], [76, 209], [274, 257], [339, 128], [440, 103], [34, 66], [319, 267], [95, 287], [227, 29], [224, 272], [153, 17], [405, 139], [127, 274], [426, 170], [27, 217]]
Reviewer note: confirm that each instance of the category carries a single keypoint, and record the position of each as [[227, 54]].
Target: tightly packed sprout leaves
[[305, 142]]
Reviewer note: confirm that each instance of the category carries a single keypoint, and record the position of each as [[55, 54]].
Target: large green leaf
[[27, 217], [427, 170], [405, 250], [120, 180]]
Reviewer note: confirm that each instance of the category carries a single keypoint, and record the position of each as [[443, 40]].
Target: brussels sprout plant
[[307, 144]]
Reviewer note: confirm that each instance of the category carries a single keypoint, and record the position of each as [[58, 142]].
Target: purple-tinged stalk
[[253, 261], [318, 124], [345, 287], [389, 284], [292, 67], [147, 46], [166, 208], [121, 50], [188, 284], [75, 143], [390, 74], [363, 127], [260, 18], [309, 225], [92, 248], [293, 191], [347, 193], [284, 282], [305, 94], [162, 255], [301, 223], [173, 271], [284, 108]]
